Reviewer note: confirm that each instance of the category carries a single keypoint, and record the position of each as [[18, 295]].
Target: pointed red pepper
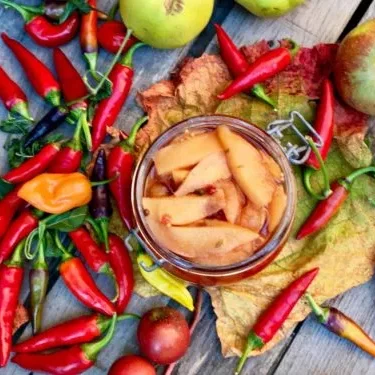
[[9, 205]]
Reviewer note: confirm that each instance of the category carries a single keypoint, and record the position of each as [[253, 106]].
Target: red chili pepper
[[121, 162], [13, 97], [108, 109], [111, 34], [42, 31], [11, 277], [18, 230], [72, 85], [34, 166], [274, 317], [265, 67], [324, 123], [70, 361], [9, 205], [39, 75], [122, 266], [89, 36], [96, 258], [237, 63]]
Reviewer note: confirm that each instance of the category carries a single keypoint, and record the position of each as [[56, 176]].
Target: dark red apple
[[355, 68], [163, 335], [132, 365]]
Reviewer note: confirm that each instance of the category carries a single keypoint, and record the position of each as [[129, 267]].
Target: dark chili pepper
[[108, 109], [111, 34], [81, 284], [13, 97], [326, 209], [342, 325], [9, 205], [267, 66], [122, 266], [121, 161], [34, 166], [89, 36], [274, 317], [38, 279], [20, 228], [73, 332], [42, 31], [94, 256], [40, 77], [50, 122], [237, 63], [100, 206], [69, 361], [11, 277], [69, 158]]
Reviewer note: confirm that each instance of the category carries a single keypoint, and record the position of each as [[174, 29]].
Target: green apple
[[269, 8], [166, 23]]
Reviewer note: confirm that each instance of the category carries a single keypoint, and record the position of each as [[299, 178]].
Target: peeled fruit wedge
[[209, 170], [252, 217], [277, 208], [183, 210], [179, 175], [187, 153], [273, 167], [157, 190], [247, 167], [233, 200], [192, 242]]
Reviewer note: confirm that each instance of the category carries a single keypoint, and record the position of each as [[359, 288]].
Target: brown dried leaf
[[22, 317]]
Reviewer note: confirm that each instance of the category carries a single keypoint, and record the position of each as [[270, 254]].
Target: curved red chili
[[42, 31], [17, 231], [40, 77], [108, 109], [9, 205], [122, 266], [11, 277], [274, 317], [12, 96], [34, 166], [111, 34], [267, 66]]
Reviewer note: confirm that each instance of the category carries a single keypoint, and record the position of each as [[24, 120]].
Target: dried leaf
[[22, 317]]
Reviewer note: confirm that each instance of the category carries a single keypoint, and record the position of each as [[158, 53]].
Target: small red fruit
[[132, 365], [163, 335]]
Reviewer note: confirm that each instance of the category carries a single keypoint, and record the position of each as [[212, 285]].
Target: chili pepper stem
[[130, 141], [349, 179], [54, 98], [17, 257], [252, 342], [26, 14], [258, 91], [113, 11], [103, 224], [96, 228], [320, 313], [91, 60], [23, 110], [127, 60], [92, 349], [86, 130], [104, 182]]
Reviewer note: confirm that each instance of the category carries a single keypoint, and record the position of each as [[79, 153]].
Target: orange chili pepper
[[57, 193]]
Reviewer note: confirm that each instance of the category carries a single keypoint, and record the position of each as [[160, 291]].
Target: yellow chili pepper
[[57, 193], [166, 283]]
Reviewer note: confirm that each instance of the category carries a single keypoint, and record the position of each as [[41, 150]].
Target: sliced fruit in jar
[[233, 200], [191, 242], [219, 260], [183, 210], [277, 208], [179, 175], [252, 217], [247, 167], [156, 190], [187, 153], [209, 170], [273, 167]]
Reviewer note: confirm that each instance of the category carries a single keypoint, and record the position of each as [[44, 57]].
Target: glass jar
[[185, 269]]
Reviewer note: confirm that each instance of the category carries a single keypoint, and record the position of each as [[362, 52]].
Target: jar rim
[[210, 122]]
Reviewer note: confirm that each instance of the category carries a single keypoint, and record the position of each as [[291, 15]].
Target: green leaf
[[105, 91], [51, 249], [73, 5], [15, 125], [5, 188], [68, 221]]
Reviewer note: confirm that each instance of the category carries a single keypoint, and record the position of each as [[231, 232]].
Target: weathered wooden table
[[310, 349]]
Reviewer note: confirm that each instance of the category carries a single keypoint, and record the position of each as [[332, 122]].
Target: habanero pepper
[[70, 361], [267, 66], [122, 266], [11, 277], [20, 228], [9, 205], [73, 332], [42, 31], [89, 36], [13, 97], [328, 208], [275, 315], [237, 63], [121, 162], [108, 109], [340, 324], [40, 77], [34, 166]]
